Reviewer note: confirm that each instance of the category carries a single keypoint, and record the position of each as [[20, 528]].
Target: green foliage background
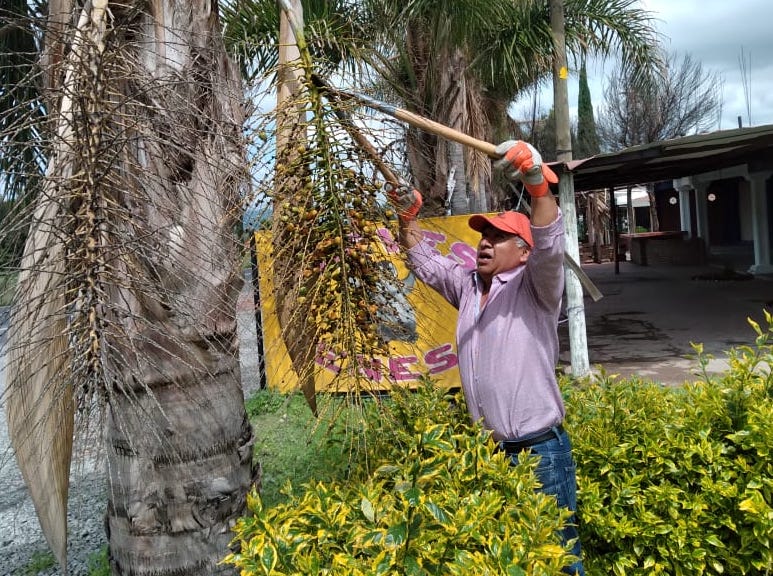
[[679, 480], [425, 494], [671, 481]]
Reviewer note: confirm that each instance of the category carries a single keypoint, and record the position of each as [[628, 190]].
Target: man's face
[[499, 251]]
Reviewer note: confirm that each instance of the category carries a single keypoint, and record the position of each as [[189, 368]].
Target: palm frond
[[335, 32], [615, 27]]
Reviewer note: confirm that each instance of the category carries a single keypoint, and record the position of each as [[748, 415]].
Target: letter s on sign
[[440, 359]]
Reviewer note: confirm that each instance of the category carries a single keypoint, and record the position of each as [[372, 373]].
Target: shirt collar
[[502, 277]]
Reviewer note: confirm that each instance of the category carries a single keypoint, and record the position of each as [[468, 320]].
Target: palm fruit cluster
[[328, 223]]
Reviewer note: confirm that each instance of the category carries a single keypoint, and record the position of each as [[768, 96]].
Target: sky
[[719, 34]]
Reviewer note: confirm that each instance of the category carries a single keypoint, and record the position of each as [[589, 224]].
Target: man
[[507, 340]]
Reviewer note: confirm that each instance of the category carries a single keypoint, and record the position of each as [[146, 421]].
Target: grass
[[7, 285], [39, 561], [294, 446], [98, 563]]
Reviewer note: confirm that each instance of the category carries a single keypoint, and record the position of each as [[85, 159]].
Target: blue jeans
[[557, 472]]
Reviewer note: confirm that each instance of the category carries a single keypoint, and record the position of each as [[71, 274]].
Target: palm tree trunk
[[179, 463], [137, 231], [459, 201], [178, 439]]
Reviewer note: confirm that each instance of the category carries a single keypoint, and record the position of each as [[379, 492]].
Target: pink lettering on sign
[[460, 252], [464, 254], [327, 359], [401, 368], [391, 245], [371, 368], [441, 359], [432, 239]]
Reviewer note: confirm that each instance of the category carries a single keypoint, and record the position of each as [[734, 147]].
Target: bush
[[671, 481], [678, 480], [429, 495]]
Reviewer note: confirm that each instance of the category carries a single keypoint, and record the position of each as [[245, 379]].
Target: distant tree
[[540, 131], [587, 140], [683, 100]]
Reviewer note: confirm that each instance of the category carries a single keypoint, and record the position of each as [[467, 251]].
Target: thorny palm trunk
[[179, 442], [146, 193], [291, 130]]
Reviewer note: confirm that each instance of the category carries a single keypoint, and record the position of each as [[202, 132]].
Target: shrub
[[678, 480], [429, 495], [671, 481]]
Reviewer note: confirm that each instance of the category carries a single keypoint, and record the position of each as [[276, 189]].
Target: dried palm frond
[[40, 375], [123, 321]]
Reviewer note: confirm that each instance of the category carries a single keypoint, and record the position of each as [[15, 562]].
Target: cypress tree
[[587, 143]]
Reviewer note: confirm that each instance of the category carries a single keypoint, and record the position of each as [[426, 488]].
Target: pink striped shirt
[[508, 351]]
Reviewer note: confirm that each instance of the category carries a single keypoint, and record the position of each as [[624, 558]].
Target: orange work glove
[[520, 160], [406, 200]]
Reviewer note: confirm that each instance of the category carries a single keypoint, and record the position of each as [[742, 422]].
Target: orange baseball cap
[[510, 222]]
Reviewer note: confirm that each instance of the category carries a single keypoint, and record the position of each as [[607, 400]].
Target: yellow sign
[[424, 344]]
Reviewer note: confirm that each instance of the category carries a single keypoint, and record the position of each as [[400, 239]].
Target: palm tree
[[462, 63], [123, 320], [21, 164], [478, 56]]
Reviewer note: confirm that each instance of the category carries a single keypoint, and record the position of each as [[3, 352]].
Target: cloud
[[718, 34], [722, 35]]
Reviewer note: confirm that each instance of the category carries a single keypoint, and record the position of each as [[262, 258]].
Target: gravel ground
[[21, 539]]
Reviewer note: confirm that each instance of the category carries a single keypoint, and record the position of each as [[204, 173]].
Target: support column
[[760, 225], [575, 305], [702, 212], [684, 187]]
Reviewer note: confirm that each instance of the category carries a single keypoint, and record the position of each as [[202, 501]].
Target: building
[[713, 191]]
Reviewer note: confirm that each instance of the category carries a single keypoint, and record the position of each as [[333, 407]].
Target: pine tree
[[587, 138]]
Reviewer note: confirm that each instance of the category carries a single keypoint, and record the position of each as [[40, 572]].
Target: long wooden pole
[[424, 124], [449, 133], [439, 130]]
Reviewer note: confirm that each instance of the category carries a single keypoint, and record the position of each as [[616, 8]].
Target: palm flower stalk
[[329, 228]]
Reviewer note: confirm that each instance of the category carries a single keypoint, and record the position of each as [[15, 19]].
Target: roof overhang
[[671, 159]]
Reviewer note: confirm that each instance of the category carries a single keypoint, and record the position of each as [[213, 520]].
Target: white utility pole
[[575, 307]]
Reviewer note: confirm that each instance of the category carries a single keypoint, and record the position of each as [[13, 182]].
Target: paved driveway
[[648, 317]]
